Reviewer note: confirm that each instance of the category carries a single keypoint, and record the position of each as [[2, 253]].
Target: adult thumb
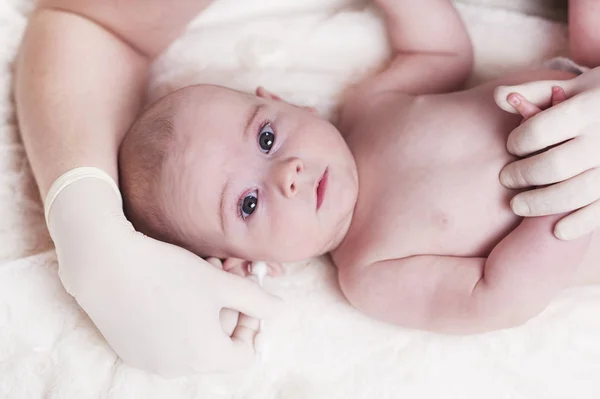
[[539, 93], [246, 296]]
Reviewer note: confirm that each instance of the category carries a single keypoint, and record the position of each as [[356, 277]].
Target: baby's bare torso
[[428, 177]]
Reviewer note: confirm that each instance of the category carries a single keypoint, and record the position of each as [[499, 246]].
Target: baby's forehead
[[208, 122], [204, 110], [211, 98]]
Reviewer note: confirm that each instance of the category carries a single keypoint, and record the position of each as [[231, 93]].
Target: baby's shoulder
[[358, 106]]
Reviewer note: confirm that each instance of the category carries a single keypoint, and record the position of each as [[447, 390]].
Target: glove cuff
[[71, 177]]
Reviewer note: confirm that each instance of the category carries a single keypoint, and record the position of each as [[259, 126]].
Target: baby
[[405, 195]]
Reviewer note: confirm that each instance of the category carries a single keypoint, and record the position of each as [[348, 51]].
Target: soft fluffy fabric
[[307, 51]]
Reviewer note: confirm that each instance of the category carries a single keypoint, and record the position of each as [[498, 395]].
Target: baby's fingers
[[538, 93], [216, 262], [523, 106], [527, 109], [558, 95]]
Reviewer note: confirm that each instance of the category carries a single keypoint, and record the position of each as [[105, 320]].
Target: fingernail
[[561, 234], [564, 233], [513, 99], [519, 207], [505, 180]]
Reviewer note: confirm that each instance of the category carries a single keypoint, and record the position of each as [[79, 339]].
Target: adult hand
[[156, 304], [567, 172]]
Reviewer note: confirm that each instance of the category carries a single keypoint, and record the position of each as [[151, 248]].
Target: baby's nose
[[288, 173]]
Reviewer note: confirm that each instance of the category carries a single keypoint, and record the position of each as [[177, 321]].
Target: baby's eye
[[266, 139], [248, 204]]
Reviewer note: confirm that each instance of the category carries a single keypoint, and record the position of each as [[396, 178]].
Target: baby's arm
[[470, 295], [584, 31], [432, 50]]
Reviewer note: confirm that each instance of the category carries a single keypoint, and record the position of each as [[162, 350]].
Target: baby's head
[[229, 174]]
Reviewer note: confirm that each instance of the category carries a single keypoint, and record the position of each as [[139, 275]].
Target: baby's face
[[259, 179]]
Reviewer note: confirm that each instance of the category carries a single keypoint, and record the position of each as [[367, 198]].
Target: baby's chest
[[429, 185]]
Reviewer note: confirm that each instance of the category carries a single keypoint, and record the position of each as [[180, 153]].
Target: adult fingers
[[240, 351], [246, 329], [246, 296], [561, 197], [228, 319], [538, 93], [552, 166], [222, 353], [579, 223], [553, 126]]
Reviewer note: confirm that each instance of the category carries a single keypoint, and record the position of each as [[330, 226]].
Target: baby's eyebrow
[[251, 115], [222, 205]]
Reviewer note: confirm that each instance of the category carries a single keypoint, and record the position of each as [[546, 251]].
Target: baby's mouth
[[321, 188]]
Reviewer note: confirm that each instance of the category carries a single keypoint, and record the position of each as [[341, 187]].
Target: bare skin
[[74, 108], [432, 242], [435, 245], [584, 34], [63, 60], [420, 236]]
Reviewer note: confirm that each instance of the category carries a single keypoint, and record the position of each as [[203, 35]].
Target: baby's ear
[[264, 93], [312, 110]]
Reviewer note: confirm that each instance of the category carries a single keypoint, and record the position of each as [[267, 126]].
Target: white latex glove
[[571, 169], [234, 323], [156, 304]]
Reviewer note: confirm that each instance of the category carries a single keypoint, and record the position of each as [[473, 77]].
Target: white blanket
[[306, 51]]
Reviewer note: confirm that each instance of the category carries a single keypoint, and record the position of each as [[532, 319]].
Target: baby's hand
[[241, 267], [528, 109]]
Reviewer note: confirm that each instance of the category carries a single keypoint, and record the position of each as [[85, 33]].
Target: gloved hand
[[156, 304], [569, 173]]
